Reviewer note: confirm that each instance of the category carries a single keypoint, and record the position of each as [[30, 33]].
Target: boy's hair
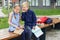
[[25, 4]]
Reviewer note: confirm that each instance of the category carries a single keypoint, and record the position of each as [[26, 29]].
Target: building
[[0, 3], [33, 3], [43, 3], [3, 3], [7, 2]]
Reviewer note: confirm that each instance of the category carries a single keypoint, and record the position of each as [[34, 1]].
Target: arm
[[9, 20], [34, 19]]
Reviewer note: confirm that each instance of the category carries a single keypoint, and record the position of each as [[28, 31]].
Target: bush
[[5, 10]]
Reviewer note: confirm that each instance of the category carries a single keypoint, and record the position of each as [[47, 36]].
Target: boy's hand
[[23, 10], [34, 28]]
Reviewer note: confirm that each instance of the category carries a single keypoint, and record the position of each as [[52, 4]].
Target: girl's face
[[17, 9]]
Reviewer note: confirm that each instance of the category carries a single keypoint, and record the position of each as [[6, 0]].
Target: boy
[[29, 19]]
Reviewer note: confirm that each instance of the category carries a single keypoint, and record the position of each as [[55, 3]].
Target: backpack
[[48, 21], [43, 19]]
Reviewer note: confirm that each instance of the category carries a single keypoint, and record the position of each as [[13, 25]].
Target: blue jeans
[[27, 34]]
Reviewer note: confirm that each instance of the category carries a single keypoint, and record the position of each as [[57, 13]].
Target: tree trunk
[[53, 3]]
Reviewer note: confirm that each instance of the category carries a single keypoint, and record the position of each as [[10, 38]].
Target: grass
[[4, 23], [39, 11], [47, 11]]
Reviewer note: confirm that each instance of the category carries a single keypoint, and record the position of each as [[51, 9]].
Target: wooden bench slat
[[4, 34]]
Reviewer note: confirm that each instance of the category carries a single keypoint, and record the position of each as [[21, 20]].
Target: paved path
[[52, 16], [53, 35], [1, 13]]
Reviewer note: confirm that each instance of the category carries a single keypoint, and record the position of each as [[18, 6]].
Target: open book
[[37, 31], [19, 31]]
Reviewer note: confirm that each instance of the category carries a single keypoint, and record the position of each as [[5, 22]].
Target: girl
[[14, 18]]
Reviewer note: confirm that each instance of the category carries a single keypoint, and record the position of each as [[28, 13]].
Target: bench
[[55, 21], [5, 35]]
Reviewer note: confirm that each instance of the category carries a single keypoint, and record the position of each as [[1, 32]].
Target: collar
[[15, 13]]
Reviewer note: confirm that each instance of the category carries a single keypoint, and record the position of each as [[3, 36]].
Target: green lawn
[[47, 11], [4, 23]]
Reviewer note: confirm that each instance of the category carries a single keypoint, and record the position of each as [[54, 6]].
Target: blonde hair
[[16, 5], [25, 4]]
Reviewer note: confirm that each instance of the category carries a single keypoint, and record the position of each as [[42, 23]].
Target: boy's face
[[17, 9], [24, 8]]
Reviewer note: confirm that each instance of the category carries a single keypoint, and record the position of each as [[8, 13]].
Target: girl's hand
[[21, 27], [17, 28]]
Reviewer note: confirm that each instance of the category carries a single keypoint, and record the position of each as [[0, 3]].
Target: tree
[[53, 3], [19, 2], [0, 0], [13, 2]]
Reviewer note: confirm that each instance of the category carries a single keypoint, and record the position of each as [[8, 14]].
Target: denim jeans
[[27, 34]]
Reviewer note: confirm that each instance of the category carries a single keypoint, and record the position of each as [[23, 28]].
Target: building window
[[5, 0], [58, 3], [33, 2], [46, 2]]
